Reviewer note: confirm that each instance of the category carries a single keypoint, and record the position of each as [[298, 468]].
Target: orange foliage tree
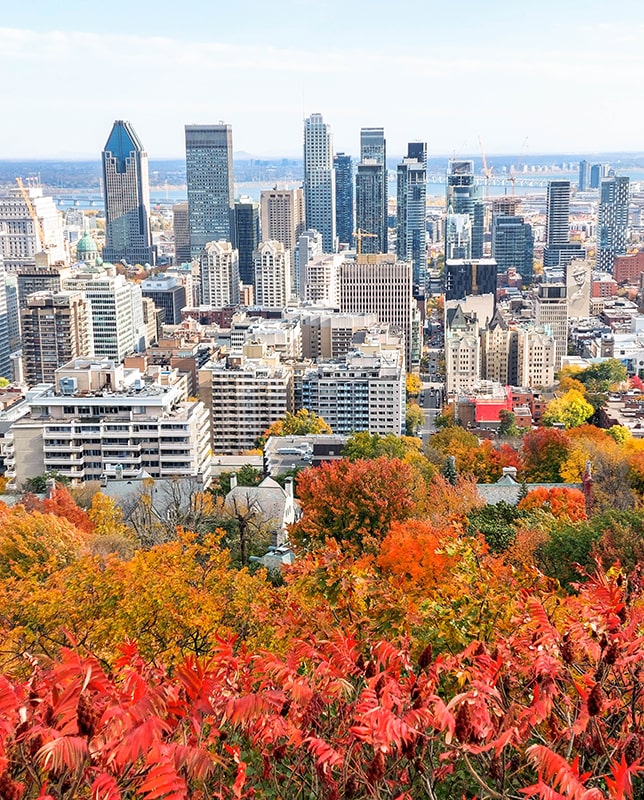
[[62, 504], [560, 501], [544, 450]]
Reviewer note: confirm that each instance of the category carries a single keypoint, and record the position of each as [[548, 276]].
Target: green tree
[[571, 410], [414, 418], [38, 484], [246, 476], [372, 445], [599, 378], [508, 427]]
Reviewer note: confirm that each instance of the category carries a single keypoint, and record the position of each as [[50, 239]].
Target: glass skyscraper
[[371, 190], [209, 173], [412, 211], [126, 189], [343, 167], [463, 197], [612, 223], [319, 180]]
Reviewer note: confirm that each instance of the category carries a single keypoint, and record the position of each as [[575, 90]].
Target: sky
[[547, 76]]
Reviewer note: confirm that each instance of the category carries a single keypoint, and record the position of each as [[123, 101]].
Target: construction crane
[[512, 176], [32, 213], [360, 235], [487, 171]]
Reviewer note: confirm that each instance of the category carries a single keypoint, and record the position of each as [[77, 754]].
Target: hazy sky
[[565, 74]]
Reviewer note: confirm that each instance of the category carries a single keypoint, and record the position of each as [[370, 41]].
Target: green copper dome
[[86, 245]]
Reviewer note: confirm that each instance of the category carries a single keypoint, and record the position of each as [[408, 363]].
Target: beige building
[[56, 328], [272, 275], [282, 216], [98, 415], [219, 275], [382, 284], [245, 393], [536, 356], [322, 279], [551, 314], [462, 351]]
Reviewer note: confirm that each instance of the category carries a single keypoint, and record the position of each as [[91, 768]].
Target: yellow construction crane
[[360, 235], [32, 213]]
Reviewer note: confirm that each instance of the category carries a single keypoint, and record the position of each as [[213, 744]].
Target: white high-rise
[[21, 236], [219, 275], [319, 180], [272, 275]]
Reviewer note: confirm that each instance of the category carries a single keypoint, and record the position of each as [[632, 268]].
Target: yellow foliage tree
[[413, 385], [571, 409]]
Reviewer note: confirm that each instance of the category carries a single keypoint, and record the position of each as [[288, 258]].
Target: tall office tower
[[40, 278], [282, 216], [513, 245], [584, 175], [474, 277], [597, 172], [6, 370], [319, 181], [343, 167], [412, 210], [13, 311], [181, 229], [382, 284], [209, 175], [219, 275], [126, 189], [56, 327], [463, 195], [272, 275], [26, 218], [370, 212], [309, 245], [551, 314], [612, 222], [248, 236], [168, 294], [559, 250], [458, 236], [373, 148], [117, 313]]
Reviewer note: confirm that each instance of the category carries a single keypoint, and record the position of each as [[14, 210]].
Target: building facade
[[411, 187], [181, 230], [464, 197], [272, 275], [30, 224], [168, 294], [473, 277], [209, 175], [612, 222], [126, 190], [373, 151], [343, 166], [219, 275], [319, 180], [282, 216], [513, 245], [247, 236]]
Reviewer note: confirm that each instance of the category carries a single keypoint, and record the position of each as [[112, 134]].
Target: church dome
[[86, 246]]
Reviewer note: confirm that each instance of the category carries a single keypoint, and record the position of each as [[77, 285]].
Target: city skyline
[[265, 64]]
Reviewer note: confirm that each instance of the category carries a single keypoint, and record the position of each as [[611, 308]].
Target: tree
[[110, 534], [414, 419], [602, 377], [544, 450], [302, 423], [62, 504], [413, 385], [364, 445], [247, 475], [569, 410], [38, 484], [508, 424], [560, 501], [354, 502]]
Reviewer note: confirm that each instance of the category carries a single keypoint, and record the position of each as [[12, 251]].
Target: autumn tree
[[570, 410], [364, 445], [543, 451], [414, 419], [413, 385], [62, 504], [354, 502], [302, 423], [560, 501]]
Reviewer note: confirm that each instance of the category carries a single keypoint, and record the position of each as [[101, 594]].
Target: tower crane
[[32, 213], [360, 235], [487, 171], [512, 176]]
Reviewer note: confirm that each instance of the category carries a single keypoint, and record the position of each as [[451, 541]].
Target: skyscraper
[[248, 236], [559, 250], [209, 174], [470, 277], [127, 197], [272, 275], [343, 167], [181, 229], [412, 210], [282, 216], [584, 175], [463, 196], [21, 236], [612, 222], [513, 245], [219, 275], [373, 150], [319, 180], [370, 217]]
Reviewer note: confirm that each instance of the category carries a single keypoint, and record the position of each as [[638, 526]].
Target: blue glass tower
[[126, 189], [343, 197]]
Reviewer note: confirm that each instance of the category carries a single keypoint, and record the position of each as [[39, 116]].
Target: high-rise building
[[612, 222], [219, 275], [463, 196], [322, 279], [343, 167], [24, 225], [584, 175], [373, 151], [513, 245], [319, 180], [127, 197], [559, 250], [117, 313], [272, 275], [597, 172], [6, 370], [458, 236], [181, 229], [282, 216], [168, 294], [40, 278], [411, 242], [474, 277], [382, 284], [56, 327], [209, 175], [248, 236], [551, 314], [309, 245]]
